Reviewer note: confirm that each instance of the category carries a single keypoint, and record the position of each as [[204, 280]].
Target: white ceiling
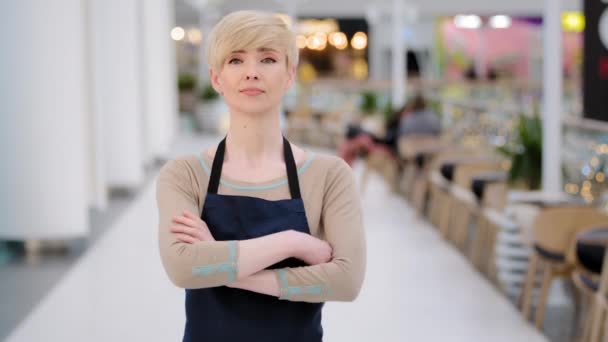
[[187, 15]]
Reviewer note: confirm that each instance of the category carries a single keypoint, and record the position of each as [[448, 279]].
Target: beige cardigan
[[333, 210]]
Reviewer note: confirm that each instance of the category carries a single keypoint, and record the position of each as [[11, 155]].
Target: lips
[[252, 91]]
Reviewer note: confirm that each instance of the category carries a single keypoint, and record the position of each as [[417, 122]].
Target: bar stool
[[492, 198], [465, 203], [554, 229], [587, 255], [461, 169], [440, 174], [416, 153]]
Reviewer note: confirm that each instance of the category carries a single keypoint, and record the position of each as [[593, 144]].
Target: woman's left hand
[[190, 228]]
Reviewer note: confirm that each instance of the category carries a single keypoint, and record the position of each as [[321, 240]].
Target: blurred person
[[470, 74], [420, 121], [361, 142], [258, 231]]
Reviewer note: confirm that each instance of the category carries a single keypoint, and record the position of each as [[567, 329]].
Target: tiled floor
[[417, 287]]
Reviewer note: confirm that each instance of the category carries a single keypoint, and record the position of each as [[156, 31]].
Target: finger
[[195, 218], [187, 230], [186, 221], [190, 215], [186, 238]]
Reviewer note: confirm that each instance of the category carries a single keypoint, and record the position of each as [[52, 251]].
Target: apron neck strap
[[290, 164]]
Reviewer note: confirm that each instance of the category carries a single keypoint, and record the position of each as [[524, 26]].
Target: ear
[[291, 76], [215, 80]]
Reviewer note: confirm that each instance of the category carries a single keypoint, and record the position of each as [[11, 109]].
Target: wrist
[[291, 243]]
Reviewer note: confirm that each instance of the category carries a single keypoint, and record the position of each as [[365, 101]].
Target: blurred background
[[476, 131]]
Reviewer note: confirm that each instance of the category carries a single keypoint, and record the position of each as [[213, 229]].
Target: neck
[[254, 139]]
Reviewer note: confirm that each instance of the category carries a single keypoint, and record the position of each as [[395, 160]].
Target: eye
[[234, 61], [269, 60]]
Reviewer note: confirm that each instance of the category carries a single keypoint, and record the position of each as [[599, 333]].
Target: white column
[[375, 44], [208, 17], [399, 72], [117, 82], [97, 182], [160, 87], [552, 97], [291, 9], [42, 122]]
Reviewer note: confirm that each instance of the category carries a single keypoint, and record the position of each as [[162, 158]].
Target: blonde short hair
[[250, 30]]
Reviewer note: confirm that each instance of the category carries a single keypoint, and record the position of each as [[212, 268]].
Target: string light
[[178, 33], [359, 41]]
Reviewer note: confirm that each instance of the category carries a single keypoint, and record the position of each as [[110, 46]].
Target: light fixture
[[313, 42], [178, 33], [194, 35], [500, 21], [573, 21], [311, 26], [322, 36], [359, 41], [467, 21], [338, 39]]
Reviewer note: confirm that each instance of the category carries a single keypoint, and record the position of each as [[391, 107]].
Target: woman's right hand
[[311, 250]]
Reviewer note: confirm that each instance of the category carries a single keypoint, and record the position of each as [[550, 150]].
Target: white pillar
[[552, 97], [399, 72], [291, 9], [160, 86], [208, 17], [42, 122], [117, 81], [375, 45]]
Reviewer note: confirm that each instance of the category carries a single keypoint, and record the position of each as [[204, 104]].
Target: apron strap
[[292, 171], [216, 169], [290, 164]]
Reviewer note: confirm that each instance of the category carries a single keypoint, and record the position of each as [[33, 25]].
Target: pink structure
[[514, 49]]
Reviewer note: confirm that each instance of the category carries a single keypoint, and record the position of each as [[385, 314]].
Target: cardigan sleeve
[[199, 265], [340, 279]]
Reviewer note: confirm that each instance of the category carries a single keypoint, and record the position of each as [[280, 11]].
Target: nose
[[251, 72]]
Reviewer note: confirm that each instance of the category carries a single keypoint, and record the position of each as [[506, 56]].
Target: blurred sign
[[595, 67]]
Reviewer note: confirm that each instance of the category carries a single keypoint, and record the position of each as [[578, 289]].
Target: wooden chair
[[438, 185], [386, 165], [465, 205], [482, 251], [479, 162], [554, 229], [587, 254], [416, 153]]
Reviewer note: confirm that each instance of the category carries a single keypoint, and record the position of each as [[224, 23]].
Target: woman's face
[[253, 81]]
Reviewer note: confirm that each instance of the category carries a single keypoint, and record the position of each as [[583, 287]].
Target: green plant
[[388, 111], [526, 152], [186, 82], [208, 93], [369, 103]]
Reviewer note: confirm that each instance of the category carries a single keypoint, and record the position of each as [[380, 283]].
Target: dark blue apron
[[225, 314]]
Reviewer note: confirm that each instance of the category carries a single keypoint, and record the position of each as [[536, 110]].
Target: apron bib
[[225, 314]]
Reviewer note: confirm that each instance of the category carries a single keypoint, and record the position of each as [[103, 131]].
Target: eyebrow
[[262, 49]]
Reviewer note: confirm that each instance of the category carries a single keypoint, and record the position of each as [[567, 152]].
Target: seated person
[[413, 118], [359, 141], [420, 121]]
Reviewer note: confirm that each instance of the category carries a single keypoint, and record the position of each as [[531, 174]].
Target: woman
[[258, 231]]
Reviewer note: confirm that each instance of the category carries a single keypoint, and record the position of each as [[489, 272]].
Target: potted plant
[[372, 119], [186, 84], [369, 103], [210, 110], [525, 152]]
